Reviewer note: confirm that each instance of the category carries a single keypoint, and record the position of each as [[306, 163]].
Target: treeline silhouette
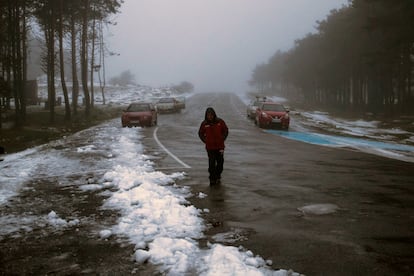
[[360, 59], [74, 27]]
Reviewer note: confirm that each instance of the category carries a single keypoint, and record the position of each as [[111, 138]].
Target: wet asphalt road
[[267, 178]]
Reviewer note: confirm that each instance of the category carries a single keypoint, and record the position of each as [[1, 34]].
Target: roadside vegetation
[[39, 130], [63, 41], [70, 32], [359, 60]]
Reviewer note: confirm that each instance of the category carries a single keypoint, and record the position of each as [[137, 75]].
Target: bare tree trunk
[[62, 64], [50, 39], [13, 32], [24, 62], [92, 63], [102, 62], [84, 59], [75, 82]]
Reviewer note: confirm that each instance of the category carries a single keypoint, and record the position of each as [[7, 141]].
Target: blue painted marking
[[304, 137], [330, 140]]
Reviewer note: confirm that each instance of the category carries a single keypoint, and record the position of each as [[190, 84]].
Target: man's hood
[[212, 111]]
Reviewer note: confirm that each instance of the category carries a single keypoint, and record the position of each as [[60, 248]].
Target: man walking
[[213, 132]]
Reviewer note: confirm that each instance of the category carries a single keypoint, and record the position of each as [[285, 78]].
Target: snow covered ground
[[155, 213]]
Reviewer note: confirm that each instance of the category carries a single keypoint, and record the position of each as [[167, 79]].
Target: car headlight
[[264, 115], [286, 116]]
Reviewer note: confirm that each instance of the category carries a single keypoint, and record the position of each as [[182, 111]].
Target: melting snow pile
[[165, 228]]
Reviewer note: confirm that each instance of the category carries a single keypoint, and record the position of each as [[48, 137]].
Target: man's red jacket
[[213, 133]]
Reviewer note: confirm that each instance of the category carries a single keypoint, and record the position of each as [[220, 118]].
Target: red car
[[271, 114], [139, 114]]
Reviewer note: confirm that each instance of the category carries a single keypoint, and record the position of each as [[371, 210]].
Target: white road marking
[[168, 152]]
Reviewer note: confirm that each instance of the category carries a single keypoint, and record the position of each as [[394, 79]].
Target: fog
[[214, 44]]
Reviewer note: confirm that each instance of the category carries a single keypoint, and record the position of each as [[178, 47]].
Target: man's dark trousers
[[215, 164]]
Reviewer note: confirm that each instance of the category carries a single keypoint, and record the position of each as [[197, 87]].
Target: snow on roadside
[[165, 228], [18, 226], [11, 181]]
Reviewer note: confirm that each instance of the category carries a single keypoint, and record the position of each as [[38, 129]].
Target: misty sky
[[214, 44]]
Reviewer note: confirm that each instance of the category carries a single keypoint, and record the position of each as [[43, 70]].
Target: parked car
[[168, 104], [271, 114], [180, 102], [139, 114], [251, 108]]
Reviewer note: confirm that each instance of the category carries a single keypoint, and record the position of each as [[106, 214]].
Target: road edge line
[[167, 151]]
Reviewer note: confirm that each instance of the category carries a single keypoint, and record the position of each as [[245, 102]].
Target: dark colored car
[[139, 114], [271, 114]]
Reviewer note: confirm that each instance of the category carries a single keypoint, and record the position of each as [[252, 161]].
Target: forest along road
[[271, 188]]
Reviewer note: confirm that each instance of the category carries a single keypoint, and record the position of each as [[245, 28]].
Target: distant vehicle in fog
[[271, 115], [180, 102], [139, 114], [253, 105], [168, 105]]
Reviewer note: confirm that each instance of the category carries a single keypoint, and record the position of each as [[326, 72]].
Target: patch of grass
[[38, 128]]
